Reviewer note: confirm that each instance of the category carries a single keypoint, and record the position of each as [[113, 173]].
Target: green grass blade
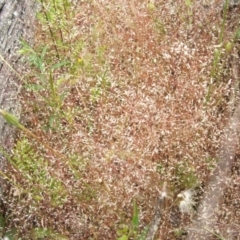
[[58, 65], [11, 119], [135, 218]]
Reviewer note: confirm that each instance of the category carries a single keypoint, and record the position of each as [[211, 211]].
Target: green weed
[[132, 231], [38, 182], [54, 16], [219, 56], [42, 233]]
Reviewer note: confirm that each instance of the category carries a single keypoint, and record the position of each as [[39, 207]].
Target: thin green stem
[[50, 30], [225, 11]]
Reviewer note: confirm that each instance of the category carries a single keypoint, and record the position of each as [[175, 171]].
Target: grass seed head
[[187, 202]]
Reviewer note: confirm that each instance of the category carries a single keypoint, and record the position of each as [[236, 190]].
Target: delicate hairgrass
[[113, 91]]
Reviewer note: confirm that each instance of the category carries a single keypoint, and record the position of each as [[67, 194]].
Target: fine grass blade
[[135, 218], [11, 119]]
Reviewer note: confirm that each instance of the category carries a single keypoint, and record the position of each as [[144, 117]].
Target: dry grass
[[136, 107]]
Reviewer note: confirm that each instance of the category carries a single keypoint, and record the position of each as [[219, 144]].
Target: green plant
[[185, 177], [45, 74], [218, 55], [11, 234], [189, 4], [42, 233], [33, 187], [132, 231], [54, 15], [36, 174], [223, 25], [102, 85]]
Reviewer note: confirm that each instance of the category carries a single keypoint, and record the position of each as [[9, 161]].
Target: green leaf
[[135, 218], [123, 230], [237, 35], [34, 87], [40, 233], [228, 47], [52, 86], [188, 3], [11, 119], [26, 49], [144, 233], [151, 6], [58, 65], [123, 237], [44, 52]]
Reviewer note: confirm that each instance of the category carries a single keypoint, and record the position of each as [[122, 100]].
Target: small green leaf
[[123, 229], [144, 233], [34, 87], [44, 52], [237, 35], [58, 65], [40, 233], [229, 47], [188, 3], [216, 53], [178, 232], [123, 237]]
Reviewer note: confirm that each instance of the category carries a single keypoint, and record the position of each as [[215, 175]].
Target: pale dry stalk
[[158, 213]]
